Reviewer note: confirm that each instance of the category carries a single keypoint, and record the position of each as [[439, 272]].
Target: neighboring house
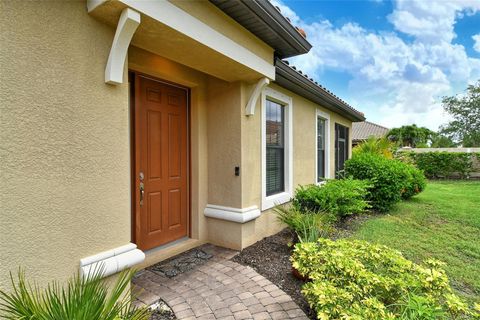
[[160, 125], [361, 131]]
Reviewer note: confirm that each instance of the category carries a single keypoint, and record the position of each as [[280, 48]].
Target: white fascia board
[[232, 214], [111, 261], [174, 17]]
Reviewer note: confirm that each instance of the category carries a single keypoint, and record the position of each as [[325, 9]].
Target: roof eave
[[284, 38], [282, 27], [295, 82]]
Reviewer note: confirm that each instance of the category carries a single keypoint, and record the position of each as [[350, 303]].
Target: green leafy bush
[[387, 178], [441, 164], [308, 226], [353, 279], [415, 181], [341, 197], [81, 300]]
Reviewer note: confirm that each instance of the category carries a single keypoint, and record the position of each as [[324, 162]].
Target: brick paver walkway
[[218, 289]]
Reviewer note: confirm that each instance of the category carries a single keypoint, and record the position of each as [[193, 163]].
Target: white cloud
[[430, 21], [395, 81], [476, 45]]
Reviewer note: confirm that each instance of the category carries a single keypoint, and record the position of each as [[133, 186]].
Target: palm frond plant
[[380, 146], [308, 226], [81, 299]]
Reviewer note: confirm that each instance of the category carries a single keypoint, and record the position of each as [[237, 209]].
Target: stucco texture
[[248, 136], [304, 144], [64, 141]]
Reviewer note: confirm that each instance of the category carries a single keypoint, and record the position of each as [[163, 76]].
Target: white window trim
[[325, 116], [283, 197]]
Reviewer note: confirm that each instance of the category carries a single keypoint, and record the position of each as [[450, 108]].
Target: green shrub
[[81, 300], [308, 226], [387, 178], [441, 164], [353, 279], [417, 307], [341, 197], [415, 181]]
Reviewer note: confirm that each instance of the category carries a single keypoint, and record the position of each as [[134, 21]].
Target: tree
[[441, 141], [411, 136], [465, 110]]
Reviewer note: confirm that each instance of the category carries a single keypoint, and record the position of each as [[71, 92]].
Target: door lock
[[142, 188]]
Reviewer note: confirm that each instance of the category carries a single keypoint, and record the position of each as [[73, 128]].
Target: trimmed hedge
[[391, 180], [441, 164]]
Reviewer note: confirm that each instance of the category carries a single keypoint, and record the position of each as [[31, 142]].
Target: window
[[323, 146], [275, 132], [341, 147], [276, 148]]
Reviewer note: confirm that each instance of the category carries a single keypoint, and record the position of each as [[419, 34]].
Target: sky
[[392, 60]]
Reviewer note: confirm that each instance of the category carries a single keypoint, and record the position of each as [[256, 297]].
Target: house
[[361, 131], [135, 130]]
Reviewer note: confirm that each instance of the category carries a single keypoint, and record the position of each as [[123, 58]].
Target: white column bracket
[[252, 102], [127, 25]]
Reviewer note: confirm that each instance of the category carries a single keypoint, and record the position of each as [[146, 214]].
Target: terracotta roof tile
[[364, 130], [322, 87]]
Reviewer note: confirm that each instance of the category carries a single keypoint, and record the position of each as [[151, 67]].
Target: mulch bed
[[270, 257]]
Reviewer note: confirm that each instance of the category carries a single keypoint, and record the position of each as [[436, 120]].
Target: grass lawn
[[443, 222]]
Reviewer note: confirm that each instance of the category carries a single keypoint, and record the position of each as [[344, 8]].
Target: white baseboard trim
[[111, 261], [232, 214]]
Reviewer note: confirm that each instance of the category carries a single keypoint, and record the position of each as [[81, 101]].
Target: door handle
[[142, 188], [142, 193]]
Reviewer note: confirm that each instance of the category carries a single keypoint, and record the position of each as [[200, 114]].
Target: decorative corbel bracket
[[252, 102], [127, 25]]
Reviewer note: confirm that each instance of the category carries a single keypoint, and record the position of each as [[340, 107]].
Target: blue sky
[[393, 60]]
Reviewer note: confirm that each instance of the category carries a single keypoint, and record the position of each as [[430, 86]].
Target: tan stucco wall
[[218, 20], [65, 168], [65, 175], [168, 42], [304, 161], [239, 236], [304, 136], [224, 143]]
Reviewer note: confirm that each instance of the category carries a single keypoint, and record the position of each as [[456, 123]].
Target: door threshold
[[169, 250], [166, 245]]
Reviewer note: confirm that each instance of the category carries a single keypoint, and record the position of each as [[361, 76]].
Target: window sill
[[321, 183], [275, 199]]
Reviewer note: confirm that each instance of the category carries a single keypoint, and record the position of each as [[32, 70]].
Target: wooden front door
[[161, 163]]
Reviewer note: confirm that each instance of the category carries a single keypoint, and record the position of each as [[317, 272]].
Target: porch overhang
[[173, 33]]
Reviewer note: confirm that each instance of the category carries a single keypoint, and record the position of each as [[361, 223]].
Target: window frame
[[286, 101], [337, 147], [326, 117]]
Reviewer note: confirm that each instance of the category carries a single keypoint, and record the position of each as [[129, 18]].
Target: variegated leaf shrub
[[352, 279]]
